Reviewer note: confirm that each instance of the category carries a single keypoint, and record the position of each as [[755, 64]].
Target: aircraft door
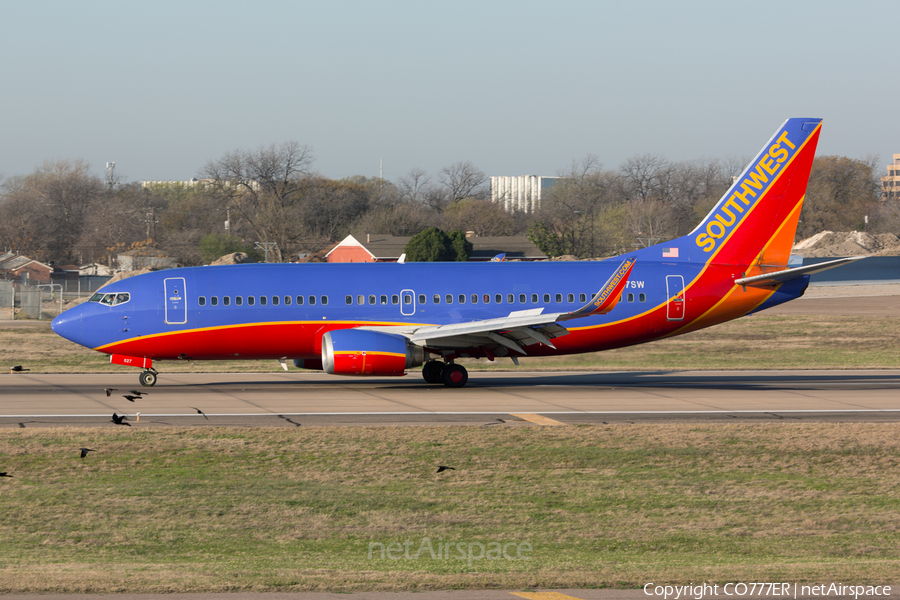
[[407, 302], [675, 295], [176, 301]]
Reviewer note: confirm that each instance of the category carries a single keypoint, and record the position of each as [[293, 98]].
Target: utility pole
[[265, 246]]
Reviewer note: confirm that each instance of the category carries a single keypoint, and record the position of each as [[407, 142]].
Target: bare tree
[[262, 186], [464, 180]]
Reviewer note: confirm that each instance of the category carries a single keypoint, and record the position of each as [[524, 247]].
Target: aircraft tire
[[455, 376], [148, 379], [433, 371]]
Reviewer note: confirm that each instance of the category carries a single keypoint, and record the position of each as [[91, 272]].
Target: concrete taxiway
[[294, 398]]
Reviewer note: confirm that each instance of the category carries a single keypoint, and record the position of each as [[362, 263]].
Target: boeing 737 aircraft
[[385, 318]]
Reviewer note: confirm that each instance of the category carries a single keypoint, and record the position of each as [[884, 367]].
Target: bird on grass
[[130, 398], [109, 391], [18, 369], [442, 468], [84, 451], [4, 474], [200, 412], [120, 420]]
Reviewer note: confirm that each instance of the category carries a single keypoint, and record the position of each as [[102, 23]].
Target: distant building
[[29, 271], [520, 193], [141, 258], [388, 248], [890, 185]]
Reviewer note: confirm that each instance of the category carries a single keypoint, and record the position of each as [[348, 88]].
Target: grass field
[[757, 342], [166, 510]]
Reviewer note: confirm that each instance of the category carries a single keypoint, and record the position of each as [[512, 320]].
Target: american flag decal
[[670, 252]]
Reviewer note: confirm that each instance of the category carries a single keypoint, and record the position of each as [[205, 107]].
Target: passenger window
[[487, 298], [546, 298], [449, 298], [510, 298], [348, 299], [570, 298], [263, 300], [299, 300], [371, 299], [312, 300], [201, 301], [436, 299], [407, 299], [238, 300], [251, 300], [462, 298], [214, 300], [421, 298], [274, 300], [559, 298], [226, 300], [474, 298], [498, 298], [383, 299], [287, 300], [360, 299], [324, 300], [631, 297], [642, 297], [523, 298], [395, 299], [582, 298]]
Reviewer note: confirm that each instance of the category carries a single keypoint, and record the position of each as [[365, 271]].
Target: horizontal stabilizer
[[770, 279]]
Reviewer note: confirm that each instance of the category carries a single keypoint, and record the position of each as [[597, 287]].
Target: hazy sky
[[161, 87]]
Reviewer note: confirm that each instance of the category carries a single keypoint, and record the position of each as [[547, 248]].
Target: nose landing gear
[[148, 378]]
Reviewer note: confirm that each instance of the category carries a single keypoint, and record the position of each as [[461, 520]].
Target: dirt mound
[[850, 243], [126, 274], [235, 258]]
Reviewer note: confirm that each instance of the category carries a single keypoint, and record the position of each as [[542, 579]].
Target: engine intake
[[358, 352]]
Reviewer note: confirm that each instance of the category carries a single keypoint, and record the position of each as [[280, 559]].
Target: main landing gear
[[449, 374], [148, 378]]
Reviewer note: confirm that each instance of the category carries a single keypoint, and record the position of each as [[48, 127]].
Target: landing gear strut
[[148, 378]]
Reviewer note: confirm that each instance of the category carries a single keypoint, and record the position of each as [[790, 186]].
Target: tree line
[[273, 197]]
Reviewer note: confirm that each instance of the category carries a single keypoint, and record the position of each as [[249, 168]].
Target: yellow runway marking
[[540, 420], [544, 596]]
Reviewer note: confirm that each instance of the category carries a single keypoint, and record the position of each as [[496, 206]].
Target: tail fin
[[755, 221]]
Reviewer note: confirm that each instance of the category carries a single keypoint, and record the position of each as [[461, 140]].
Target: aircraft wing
[[772, 279], [516, 330]]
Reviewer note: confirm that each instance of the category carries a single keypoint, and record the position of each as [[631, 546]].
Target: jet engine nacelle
[[358, 352]]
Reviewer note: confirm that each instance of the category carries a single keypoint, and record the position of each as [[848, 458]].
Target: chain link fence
[[39, 302]]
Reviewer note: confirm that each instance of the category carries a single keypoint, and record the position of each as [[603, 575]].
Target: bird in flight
[[200, 412], [442, 468], [84, 451], [136, 393], [130, 398], [109, 391], [120, 420], [18, 369], [4, 474]]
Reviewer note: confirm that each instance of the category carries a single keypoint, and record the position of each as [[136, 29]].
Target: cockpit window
[[97, 297], [122, 298], [108, 299]]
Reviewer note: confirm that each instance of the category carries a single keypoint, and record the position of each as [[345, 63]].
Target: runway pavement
[[313, 399]]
